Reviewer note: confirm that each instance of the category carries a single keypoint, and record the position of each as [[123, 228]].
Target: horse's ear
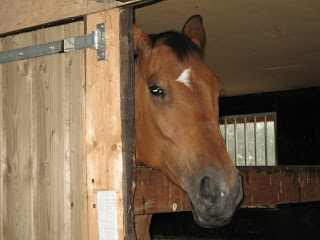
[[193, 28], [142, 43]]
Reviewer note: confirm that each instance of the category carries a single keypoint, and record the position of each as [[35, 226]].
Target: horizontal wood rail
[[15, 16], [263, 186]]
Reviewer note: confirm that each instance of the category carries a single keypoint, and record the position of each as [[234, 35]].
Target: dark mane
[[180, 43]]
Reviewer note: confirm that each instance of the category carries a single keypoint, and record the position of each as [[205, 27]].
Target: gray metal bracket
[[96, 40], [100, 42]]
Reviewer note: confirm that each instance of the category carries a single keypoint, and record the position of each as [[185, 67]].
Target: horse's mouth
[[210, 222]]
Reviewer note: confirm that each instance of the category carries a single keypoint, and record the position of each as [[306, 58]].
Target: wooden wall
[[41, 140]]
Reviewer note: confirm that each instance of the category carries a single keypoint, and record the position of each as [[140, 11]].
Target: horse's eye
[[156, 91]]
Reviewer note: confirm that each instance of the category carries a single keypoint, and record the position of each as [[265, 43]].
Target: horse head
[[177, 121]]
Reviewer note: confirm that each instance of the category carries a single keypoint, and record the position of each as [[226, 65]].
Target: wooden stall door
[[41, 167]]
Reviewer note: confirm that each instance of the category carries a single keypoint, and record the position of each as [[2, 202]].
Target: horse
[[177, 123]]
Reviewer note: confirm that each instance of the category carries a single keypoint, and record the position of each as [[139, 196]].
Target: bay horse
[[177, 123]]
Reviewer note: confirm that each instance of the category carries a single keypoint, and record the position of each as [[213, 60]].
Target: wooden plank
[[155, 193], [57, 164], [16, 156], [53, 144], [76, 73], [103, 122], [263, 186], [309, 182], [29, 13]]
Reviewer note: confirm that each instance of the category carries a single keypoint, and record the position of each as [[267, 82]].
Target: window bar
[[265, 139], [225, 132], [235, 142], [255, 141], [245, 142]]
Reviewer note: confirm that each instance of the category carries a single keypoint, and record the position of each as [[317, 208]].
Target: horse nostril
[[205, 191]]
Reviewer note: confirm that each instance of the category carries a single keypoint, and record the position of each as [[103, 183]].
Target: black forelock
[[182, 45]]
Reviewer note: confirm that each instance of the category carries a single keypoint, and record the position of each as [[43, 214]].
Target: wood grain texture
[[59, 119], [77, 189], [30, 13], [103, 122], [155, 193], [53, 145], [42, 159], [263, 186], [16, 174]]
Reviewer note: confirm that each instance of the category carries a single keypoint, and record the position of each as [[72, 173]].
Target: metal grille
[[250, 138]]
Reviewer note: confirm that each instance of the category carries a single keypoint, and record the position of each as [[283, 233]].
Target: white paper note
[[107, 215]]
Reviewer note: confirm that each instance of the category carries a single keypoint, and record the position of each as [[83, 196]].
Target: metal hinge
[[96, 40], [99, 41]]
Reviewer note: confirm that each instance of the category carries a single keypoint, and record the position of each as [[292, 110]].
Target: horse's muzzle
[[216, 199]]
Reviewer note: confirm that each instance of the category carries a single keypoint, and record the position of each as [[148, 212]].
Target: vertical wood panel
[[52, 134], [77, 80], [103, 122], [16, 135], [41, 141], [60, 190]]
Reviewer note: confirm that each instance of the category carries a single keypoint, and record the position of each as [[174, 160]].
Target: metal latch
[[96, 40]]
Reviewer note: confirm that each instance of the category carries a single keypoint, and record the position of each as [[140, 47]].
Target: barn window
[[250, 138]]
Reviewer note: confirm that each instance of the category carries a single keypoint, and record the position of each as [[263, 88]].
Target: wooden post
[[127, 116], [109, 120]]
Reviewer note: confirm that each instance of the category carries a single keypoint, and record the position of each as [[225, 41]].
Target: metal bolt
[[51, 47], [20, 53]]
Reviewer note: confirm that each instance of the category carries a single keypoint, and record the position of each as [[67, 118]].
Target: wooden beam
[[127, 116], [19, 15], [263, 186], [103, 122], [109, 114]]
